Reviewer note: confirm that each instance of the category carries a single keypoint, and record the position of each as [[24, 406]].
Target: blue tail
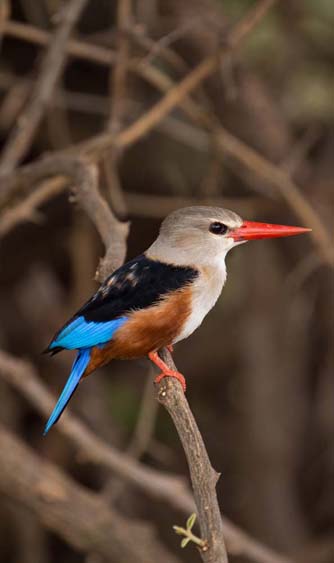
[[78, 368]]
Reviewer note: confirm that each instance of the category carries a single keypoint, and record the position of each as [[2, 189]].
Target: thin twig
[[26, 210], [118, 75], [161, 46], [118, 83], [17, 92], [50, 70], [75, 48], [165, 53]]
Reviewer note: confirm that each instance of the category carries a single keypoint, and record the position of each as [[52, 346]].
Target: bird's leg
[[170, 348], [165, 370]]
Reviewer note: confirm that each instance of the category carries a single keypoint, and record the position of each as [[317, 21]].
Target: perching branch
[[203, 477]]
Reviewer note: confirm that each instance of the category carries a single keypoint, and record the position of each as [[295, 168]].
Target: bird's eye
[[218, 228]]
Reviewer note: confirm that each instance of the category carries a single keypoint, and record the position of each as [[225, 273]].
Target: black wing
[[138, 284]]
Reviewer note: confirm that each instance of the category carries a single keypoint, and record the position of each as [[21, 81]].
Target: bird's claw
[[165, 370], [171, 373]]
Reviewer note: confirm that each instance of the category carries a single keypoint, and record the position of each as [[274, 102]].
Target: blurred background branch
[[52, 65]]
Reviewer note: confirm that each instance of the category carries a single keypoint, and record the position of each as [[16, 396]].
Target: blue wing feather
[[78, 368], [80, 333]]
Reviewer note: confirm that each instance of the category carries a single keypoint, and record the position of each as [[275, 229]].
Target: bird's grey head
[[196, 235]]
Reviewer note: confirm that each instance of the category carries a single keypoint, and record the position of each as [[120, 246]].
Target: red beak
[[250, 230]]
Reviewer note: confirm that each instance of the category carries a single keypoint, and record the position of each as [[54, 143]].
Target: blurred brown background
[[260, 369]]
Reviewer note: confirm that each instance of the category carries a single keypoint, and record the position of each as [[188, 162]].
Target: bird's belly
[[194, 320]]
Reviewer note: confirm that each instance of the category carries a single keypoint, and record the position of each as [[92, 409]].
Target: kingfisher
[[158, 298]]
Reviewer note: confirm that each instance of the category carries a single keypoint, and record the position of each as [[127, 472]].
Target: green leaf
[[185, 542], [191, 521]]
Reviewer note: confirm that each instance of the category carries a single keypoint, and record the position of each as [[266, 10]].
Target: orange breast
[[146, 330]]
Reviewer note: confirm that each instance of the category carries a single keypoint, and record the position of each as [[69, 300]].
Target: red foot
[[166, 371], [172, 373], [170, 348]]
